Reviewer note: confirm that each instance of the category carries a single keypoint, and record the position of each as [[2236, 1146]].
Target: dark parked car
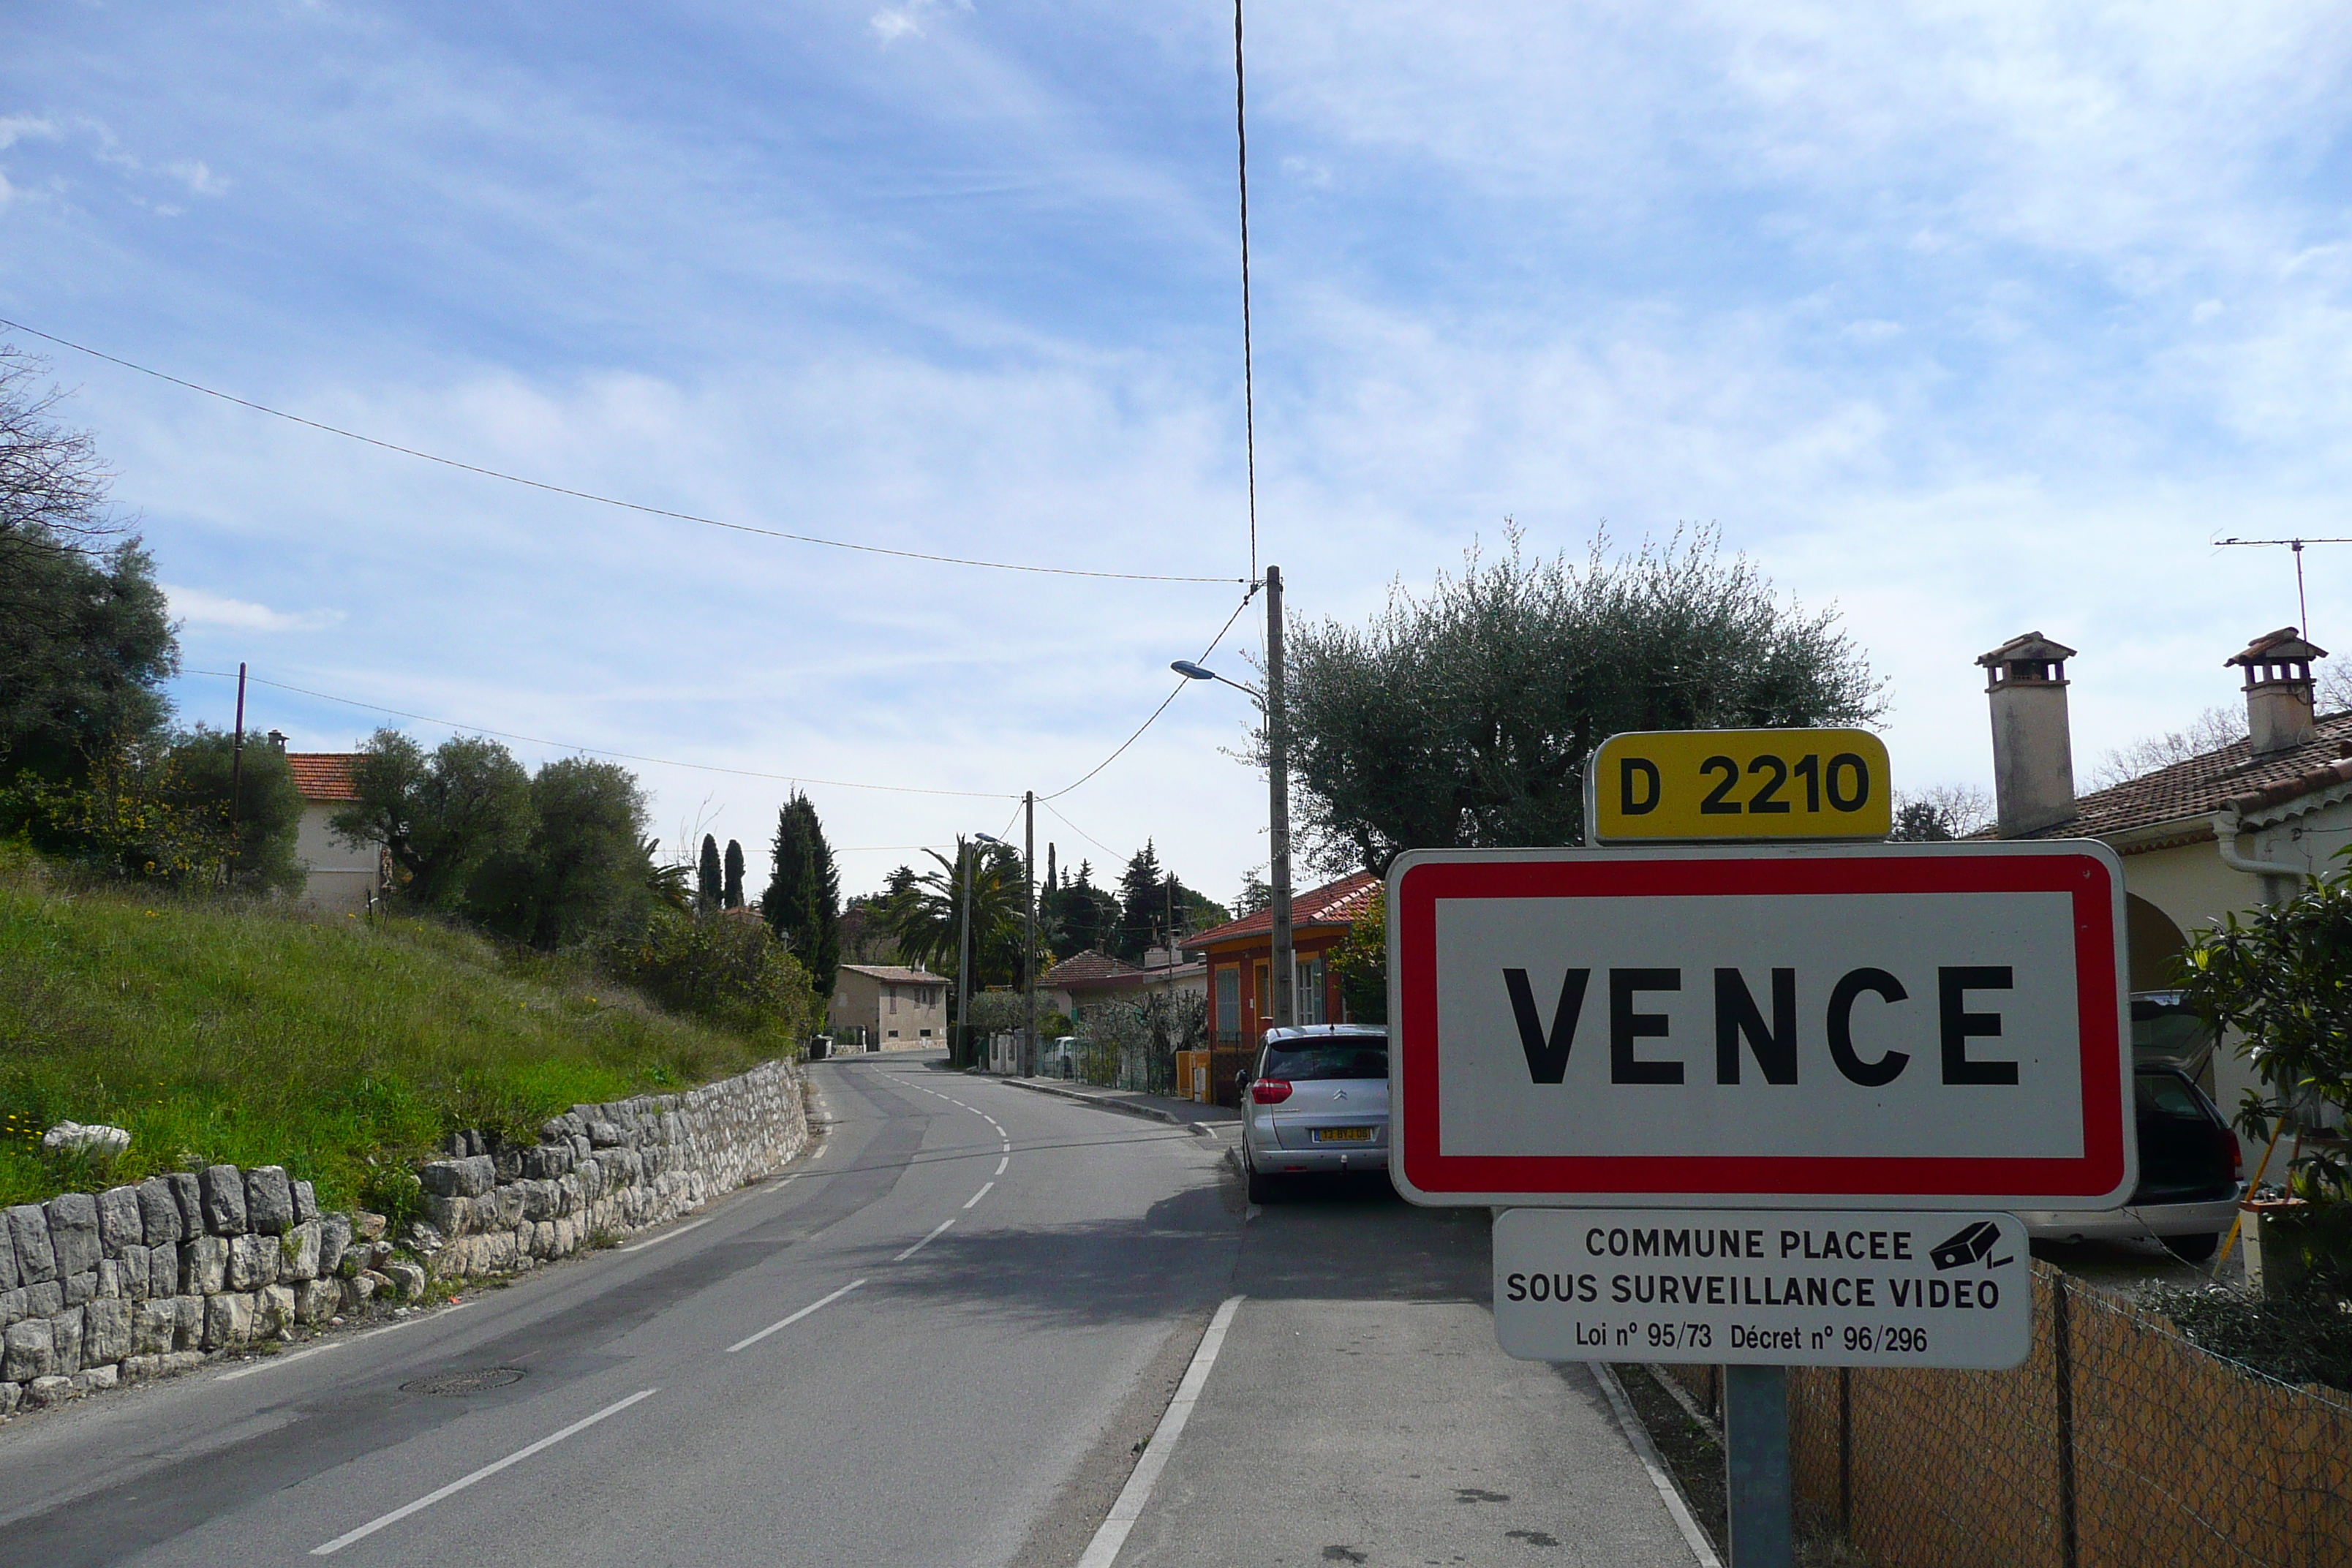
[[2191, 1173]]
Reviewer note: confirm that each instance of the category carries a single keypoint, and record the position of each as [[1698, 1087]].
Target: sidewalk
[[1210, 1120]]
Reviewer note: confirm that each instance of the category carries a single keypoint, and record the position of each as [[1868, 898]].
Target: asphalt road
[[941, 1339]]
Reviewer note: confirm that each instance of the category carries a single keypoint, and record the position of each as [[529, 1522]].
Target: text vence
[[1742, 1027]]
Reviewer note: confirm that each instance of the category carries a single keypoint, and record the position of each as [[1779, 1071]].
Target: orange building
[[1240, 956]]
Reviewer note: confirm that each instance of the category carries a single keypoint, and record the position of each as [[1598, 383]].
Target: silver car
[[1316, 1101]]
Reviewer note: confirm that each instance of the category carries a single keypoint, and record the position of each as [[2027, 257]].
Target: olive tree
[[1462, 717]]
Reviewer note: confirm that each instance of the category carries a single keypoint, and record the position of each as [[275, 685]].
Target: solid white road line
[[282, 1361], [796, 1317], [1104, 1548], [925, 1241], [1636, 1434], [1002, 1163], [492, 1469], [681, 1230], [977, 1195]]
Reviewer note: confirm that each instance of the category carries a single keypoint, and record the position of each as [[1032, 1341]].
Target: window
[[925, 1033], [1229, 1000], [892, 993], [1309, 998], [894, 1034]]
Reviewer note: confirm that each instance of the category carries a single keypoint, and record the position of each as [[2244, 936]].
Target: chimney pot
[[2280, 712], [2032, 749]]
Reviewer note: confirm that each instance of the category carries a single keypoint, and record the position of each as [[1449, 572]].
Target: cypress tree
[[706, 884], [731, 895], [803, 902]]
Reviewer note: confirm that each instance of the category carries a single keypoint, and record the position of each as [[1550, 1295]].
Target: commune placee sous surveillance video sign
[[1770, 1287], [1884, 1026]]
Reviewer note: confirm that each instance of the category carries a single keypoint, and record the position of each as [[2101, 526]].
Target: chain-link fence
[[1133, 1044], [2117, 1445]]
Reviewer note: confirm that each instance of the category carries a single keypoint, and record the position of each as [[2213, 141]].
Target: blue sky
[[1970, 320]]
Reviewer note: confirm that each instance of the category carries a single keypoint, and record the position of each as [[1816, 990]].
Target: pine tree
[[706, 877], [1141, 905], [731, 895], [803, 898]]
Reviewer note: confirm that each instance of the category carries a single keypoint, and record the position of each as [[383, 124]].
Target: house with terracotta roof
[[337, 877], [897, 1007], [2227, 831], [1239, 957], [1089, 979]]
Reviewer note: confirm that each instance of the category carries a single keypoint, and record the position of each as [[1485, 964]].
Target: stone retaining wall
[[149, 1279]]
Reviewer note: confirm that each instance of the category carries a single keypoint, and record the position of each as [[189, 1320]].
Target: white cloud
[[15, 127], [198, 607]]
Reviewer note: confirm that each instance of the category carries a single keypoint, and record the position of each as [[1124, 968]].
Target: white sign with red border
[[1882, 1026]]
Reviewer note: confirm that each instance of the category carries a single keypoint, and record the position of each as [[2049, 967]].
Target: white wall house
[[339, 876]]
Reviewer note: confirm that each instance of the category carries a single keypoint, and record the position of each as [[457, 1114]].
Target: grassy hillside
[[334, 1046]]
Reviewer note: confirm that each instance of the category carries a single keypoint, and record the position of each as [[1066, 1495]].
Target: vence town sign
[[1901, 1026]]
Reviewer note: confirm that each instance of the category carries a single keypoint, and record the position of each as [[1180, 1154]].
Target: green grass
[[339, 1047]]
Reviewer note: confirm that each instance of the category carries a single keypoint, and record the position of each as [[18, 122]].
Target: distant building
[[1240, 959], [1088, 979], [900, 1009], [336, 876]]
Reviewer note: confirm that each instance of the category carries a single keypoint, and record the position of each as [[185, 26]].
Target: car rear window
[[1327, 1058], [2161, 1094]]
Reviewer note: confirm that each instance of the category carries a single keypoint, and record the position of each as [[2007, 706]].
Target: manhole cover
[[473, 1382]]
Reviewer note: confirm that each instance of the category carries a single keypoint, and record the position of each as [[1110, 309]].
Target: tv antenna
[[2302, 607]]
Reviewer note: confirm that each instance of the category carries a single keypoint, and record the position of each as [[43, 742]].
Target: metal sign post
[[1759, 1104]]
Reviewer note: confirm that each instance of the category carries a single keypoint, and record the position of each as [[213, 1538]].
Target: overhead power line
[[598, 752], [1249, 390], [1156, 712], [606, 500]]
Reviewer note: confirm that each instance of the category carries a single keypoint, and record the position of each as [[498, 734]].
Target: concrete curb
[[1124, 1106]]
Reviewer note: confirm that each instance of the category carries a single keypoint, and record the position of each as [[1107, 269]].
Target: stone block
[[466, 1178], [105, 1331], [138, 1268], [306, 1203], [188, 1334], [450, 1216], [273, 1312], [158, 1214], [80, 1287], [316, 1301], [110, 1277], [163, 1277], [73, 1233], [367, 1226], [188, 1192], [142, 1368], [45, 1300], [47, 1390], [269, 1200], [31, 1351], [119, 1222], [154, 1326], [12, 1394], [10, 1277], [179, 1362], [203, 1266], [408, 1276], [11, 1306], [224, 1192], [298, 1253], [359, 1289], [607, 1135], [228, 1320], [253, 1262], [29, 1235], [334, 1240], [91, 1379], [64, 1331]]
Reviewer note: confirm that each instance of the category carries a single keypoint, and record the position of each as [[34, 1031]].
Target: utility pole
[[1028, 1063], [1277, 773], [962, 1041], [236, 768]]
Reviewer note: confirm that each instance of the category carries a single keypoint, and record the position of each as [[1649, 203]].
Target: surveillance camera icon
[[1969, 1244]]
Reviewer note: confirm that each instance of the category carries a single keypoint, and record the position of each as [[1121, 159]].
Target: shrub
[[730, 970]]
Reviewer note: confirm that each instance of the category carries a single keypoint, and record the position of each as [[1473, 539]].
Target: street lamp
[[1277, 753]]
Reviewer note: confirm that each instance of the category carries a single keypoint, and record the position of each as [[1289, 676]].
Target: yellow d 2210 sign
[[1685, 784]]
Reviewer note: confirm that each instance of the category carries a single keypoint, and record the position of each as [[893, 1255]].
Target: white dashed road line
[[796, 1317], [1002, 1163], [462, 1482], [977, 1195], [680, 1230], [282, 1361], [925, 1241]]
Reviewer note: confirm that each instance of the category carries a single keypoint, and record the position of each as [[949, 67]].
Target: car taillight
[[1270, 1091], [2237, 1155]]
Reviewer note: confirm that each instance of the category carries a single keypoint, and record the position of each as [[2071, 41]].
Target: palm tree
[[922, 916]]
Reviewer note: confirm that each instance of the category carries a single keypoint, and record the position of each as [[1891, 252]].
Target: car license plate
[[1343, 1135]]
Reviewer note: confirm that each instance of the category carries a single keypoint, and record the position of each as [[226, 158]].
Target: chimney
[[2032, 750], [277, 739], [2279, 711]]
